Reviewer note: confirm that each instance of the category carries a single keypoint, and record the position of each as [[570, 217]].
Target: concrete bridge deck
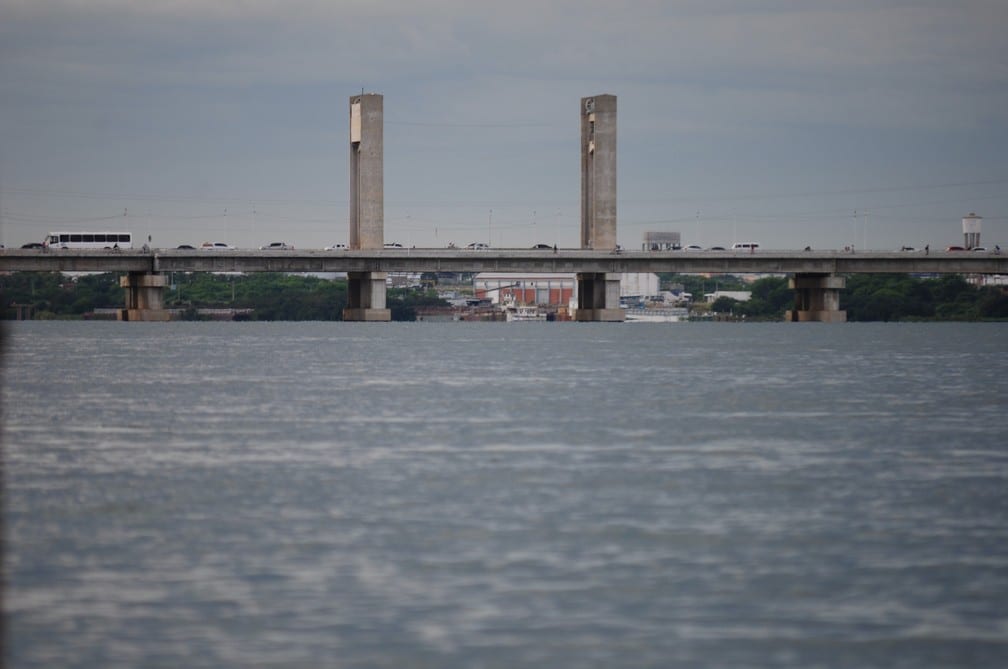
[[505, 260]]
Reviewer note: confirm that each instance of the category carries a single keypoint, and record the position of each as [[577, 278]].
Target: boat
[[667, 315], [514, 312]]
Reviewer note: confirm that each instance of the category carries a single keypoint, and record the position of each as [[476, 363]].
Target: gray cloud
[[239, 97]]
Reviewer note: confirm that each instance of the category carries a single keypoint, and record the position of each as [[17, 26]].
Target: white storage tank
[[971, 230]]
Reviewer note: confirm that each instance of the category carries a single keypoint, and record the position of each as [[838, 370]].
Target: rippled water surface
[[506, 495]]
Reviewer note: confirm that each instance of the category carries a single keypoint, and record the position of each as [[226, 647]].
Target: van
[[744, 246]]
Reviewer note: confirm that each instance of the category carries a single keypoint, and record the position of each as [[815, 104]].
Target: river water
[[506, 495]]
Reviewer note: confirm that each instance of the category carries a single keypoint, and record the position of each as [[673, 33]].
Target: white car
[[477, 246], [336, 247], [277, 246], [216, 246]]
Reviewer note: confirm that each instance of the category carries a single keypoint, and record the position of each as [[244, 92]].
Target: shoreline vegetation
[[281, 297]]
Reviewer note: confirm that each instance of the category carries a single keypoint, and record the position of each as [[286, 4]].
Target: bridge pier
[[366, 290], [598, 298], [817, 298], [144, 297], [598, 293], [366, 297]]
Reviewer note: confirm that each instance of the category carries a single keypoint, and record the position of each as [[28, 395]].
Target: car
[[693, 247], [955, 248], [276, 246], [216, 246], [336, 247], [185, 247], [33, 245], [393, 245], [907, 248], [477, 246], [542, 247], [982, 249], [717, 248]]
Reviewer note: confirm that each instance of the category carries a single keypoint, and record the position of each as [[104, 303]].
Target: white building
[[738, 295], [639, 285]]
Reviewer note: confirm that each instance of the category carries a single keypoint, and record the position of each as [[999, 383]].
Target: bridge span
[[505, 260], [816, 276]]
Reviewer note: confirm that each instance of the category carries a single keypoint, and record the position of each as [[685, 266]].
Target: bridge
[[579, 261], [817, 276]]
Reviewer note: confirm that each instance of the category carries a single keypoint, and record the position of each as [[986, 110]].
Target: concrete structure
[[598, 292], [366, 290], [515, 261], [971, 230], [817, 298], [816, 273], [144, 297]]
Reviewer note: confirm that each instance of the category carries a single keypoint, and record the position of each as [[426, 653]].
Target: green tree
[[993, 303], [724, 305], [770, 297], [403, 302]]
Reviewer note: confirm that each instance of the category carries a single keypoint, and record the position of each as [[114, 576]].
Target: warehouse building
[[551, 289]]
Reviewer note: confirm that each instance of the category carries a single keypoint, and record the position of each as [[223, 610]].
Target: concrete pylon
[[598, 294], [817, 298], [144, 297], [366, 290]]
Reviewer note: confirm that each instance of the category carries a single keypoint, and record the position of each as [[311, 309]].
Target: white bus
[[89, 240], [745, 246]]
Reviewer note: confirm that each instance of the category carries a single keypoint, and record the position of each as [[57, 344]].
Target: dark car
[[32, 245], [955, 248], [542, 247], [185, 247]]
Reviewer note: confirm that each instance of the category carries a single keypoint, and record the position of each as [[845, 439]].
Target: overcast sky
[[768, 121]]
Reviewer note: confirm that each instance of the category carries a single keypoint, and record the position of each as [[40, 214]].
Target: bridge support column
[[817, 298], [598, 293], [144, 297], [598, 298], [366, 290], [366, 297]]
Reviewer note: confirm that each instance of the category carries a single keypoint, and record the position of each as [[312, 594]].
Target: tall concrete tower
[[367, 187], [598, 172], [971, 230], [366, 290], [598, 294]]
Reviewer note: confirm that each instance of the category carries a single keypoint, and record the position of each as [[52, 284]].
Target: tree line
[[867, 297], [269, 296], [280, 297]]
